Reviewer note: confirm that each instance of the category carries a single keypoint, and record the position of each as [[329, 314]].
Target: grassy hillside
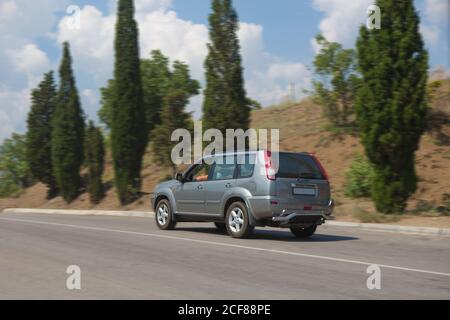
[[302, 128]]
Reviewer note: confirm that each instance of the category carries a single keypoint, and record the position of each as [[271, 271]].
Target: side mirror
[[179, 177]]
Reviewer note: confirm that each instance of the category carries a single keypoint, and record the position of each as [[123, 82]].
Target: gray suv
[[239, 191]]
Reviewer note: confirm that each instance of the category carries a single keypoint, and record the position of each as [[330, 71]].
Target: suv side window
[[224, 170], [199, 173], [246, 169]]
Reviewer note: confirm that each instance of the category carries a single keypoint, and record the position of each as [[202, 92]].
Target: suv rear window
[[298, 166]]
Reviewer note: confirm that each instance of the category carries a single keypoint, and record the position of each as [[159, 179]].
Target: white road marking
[[223, 244]]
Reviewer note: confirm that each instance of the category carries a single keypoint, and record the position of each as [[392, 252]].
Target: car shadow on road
[[281, 235], [274, 235]]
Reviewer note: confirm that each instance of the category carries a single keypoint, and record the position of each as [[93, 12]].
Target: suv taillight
[[322, 169], [268, 165]]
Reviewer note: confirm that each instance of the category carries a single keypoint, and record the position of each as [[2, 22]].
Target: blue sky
[[276, 38]]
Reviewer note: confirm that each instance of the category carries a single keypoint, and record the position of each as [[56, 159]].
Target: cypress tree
[[128, 128], [95, 160], [67, 132], [391, 104], [38, 138], [225, 105]]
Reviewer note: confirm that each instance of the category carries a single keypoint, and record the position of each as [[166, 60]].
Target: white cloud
[[22, 19], [251, 39], [22, 62], [29, 58], [252, 48], [436, 11], [286, 71], [31, 61], [272, 84], [20, 24], [6, 125], [179, 39], [430, 33], [8, 10], [268, 78], [14, 106], [435, 18], [90, 95], [341, 20], [90, 100], [91, 45]]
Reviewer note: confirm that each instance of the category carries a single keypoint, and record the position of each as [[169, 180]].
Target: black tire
[[303, 232], [240, 230], [164, 219], [221, 226]]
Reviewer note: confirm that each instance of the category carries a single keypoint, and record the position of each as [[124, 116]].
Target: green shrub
[[359, 178], [8, 188], [15, 172]]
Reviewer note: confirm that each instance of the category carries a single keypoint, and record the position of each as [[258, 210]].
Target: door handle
[[200, 187], [228, 185]]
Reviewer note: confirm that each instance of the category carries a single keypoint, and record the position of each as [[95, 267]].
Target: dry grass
[[374, 217]]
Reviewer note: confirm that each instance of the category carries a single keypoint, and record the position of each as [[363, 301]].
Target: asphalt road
[[129, 258]]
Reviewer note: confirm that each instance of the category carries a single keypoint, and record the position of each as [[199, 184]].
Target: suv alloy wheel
[[237, 221], [163, 215]]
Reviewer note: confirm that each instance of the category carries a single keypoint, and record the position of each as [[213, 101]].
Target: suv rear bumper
[[316, 215], [270, 208]]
